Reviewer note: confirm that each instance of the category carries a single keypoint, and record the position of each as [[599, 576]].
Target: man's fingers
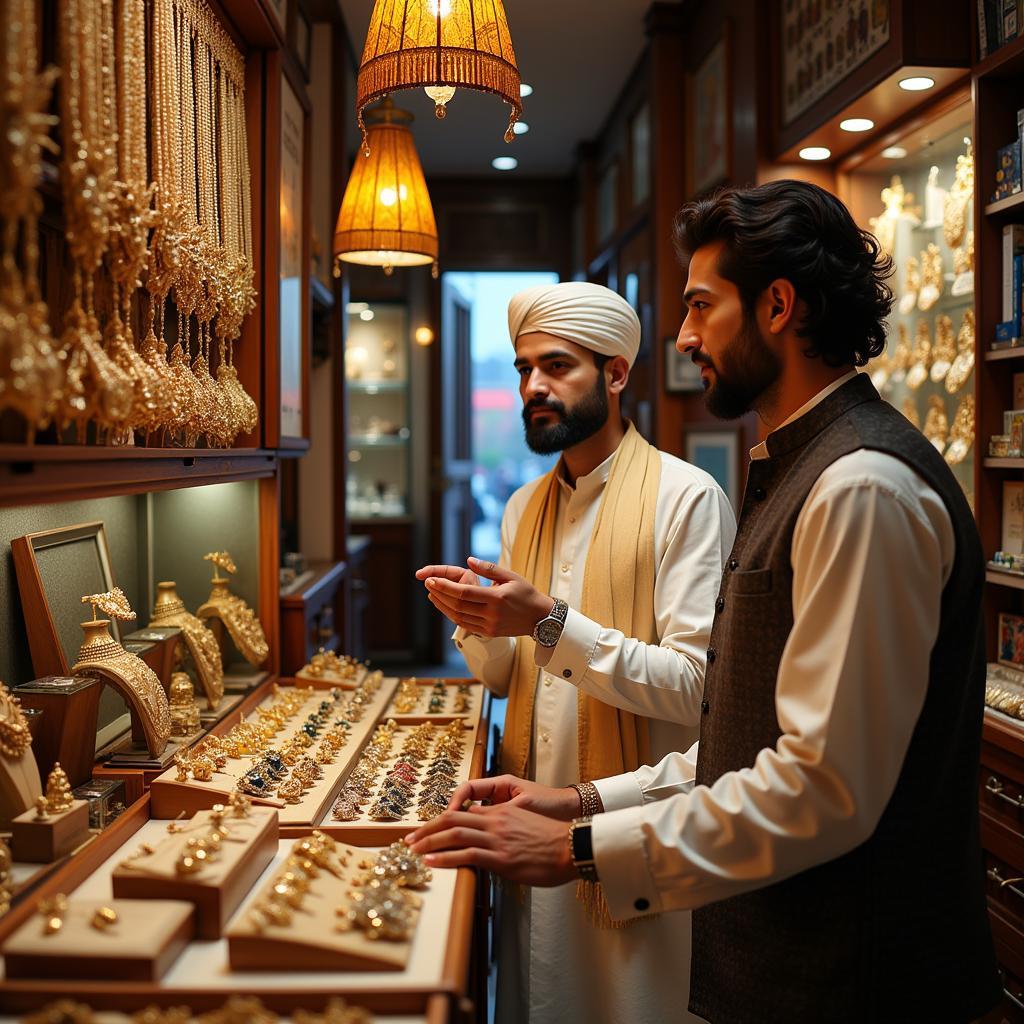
[[460, 591], [473, 623], [473, 857], [447, 572], [491, 571]]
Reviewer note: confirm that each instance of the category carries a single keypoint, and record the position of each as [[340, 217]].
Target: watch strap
[[581, 849]]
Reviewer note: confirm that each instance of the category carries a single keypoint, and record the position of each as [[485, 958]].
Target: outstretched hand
[[560, 804], [507, 839], [511, 606]]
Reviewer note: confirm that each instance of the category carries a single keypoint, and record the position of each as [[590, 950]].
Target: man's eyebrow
[[694, 292], [546, 356]]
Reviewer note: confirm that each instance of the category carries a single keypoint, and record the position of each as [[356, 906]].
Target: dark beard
[[744, 371], [583, 420]]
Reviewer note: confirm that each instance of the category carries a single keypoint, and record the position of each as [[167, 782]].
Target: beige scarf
[[618, 592]]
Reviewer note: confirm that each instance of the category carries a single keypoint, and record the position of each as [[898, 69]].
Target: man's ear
[[779, 302], [616, 371]]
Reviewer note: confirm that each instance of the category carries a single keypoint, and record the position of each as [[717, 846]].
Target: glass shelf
[[380, 441], [362, 387]]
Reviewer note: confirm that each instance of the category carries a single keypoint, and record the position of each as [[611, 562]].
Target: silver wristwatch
[[549, 629]]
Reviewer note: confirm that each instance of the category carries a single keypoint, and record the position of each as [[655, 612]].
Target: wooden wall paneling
[[271, 215]]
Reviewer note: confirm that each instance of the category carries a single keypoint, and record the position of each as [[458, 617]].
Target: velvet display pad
[[222, 883], [447, 714], [313, 941], [170, 797], [140, 946], [367, 831], [329, 681]]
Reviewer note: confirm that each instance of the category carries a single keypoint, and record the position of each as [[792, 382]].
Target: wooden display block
[[141, 945], [220, 887], [420, 713], [161, 650], [312, 941], [42, 841], [330, 681]]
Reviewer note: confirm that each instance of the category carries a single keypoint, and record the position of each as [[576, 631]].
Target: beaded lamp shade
[[439, 45], [386, 219]]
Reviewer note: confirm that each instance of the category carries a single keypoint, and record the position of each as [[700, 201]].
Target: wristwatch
[[549, 629], [581, 849]]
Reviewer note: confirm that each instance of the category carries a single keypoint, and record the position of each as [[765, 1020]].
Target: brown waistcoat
[[896, 930]]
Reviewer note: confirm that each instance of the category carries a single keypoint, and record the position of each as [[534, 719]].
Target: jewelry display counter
[[434, 960]]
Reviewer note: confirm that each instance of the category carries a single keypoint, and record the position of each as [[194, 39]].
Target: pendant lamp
[[439, 45], [386, 219]]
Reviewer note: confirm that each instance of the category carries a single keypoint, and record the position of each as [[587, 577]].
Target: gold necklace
[[14, 733]]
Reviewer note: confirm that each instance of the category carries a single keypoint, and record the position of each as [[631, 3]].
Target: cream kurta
[[555, 966]]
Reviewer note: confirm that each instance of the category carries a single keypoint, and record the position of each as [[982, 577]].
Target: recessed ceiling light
[[520, 127], [356, 307], [504, 163], [525, 90], [918, 83], [894, 153], [857, 124], [815, 153], [366, 314]]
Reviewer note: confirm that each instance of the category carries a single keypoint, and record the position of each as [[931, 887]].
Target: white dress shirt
[[872, 550], [557, 967]]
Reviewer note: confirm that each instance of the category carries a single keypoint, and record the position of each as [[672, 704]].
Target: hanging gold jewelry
[[931, 277], [958, 199], [897, 207], [963, 267], [962, 366], [944, 351], [921, 358], [30, 369], [936, 423], [961, 436], [902, 356], [911, 285]]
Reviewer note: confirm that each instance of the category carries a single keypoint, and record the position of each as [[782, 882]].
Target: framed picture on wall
[[715, 448], [682, 374], [293, 265], [1011, 640], [711, 118]]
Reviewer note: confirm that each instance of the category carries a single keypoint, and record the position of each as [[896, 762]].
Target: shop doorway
[[485, 455]]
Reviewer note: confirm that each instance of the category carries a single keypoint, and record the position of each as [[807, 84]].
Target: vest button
[[705, 707], [712, 654], [641, 904], [719, 604], [733, 564], [759, 494], [567, 672]]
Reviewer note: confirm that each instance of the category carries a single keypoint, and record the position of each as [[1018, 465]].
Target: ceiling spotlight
[[504, 163], [918, 83], [424, 336], [525, 90], [857, 124], [366, 314], [815, 153], [520, 127], [356, 307], [894, 153]]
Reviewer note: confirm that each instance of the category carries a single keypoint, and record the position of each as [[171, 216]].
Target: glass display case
[[377, 382], [916, 197]]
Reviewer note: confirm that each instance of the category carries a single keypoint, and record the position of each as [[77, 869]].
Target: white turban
[[588, 314]]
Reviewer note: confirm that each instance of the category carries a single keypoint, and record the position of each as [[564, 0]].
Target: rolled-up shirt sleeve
[[664, 680], [872, 550]]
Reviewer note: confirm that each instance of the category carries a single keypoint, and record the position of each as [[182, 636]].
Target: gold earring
[[103, 918], [53, 911]]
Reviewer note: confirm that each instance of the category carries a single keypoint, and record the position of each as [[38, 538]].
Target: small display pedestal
[[44, 840]]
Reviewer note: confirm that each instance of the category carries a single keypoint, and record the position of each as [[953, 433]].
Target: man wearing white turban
[[595, 627]]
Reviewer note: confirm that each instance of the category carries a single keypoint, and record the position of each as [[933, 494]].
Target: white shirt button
[[564, 567], [547, 680], [545, 736]]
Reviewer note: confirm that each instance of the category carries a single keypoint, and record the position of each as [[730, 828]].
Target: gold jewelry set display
[[426, 768], [102, 655], [375, 900], [923, 280], [54, 909], [333, 667], [188, 231], [15, 737], [411, 694], [238, 618], [237, 1010], [1006, 698]]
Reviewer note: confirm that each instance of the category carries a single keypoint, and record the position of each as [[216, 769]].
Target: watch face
[[548, 632]]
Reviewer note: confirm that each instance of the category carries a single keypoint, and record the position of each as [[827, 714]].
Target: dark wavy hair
[[798, 231]]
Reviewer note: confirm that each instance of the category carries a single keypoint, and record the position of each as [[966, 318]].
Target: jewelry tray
[[420, 713], [202, 978], [171, 797]]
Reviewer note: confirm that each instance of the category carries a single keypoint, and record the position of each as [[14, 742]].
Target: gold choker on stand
[[129, 675], [202, 645], [239, 619]]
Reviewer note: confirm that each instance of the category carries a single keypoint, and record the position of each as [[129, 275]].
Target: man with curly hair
[[824, 829]]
